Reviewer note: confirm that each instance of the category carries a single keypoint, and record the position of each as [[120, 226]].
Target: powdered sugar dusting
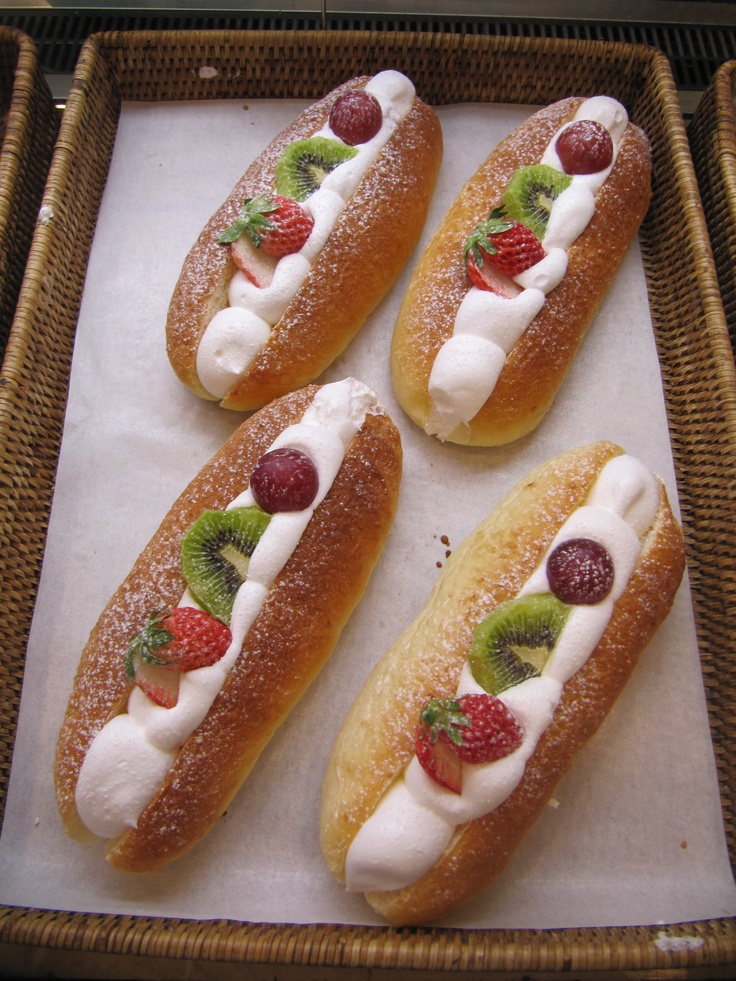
[[111, 793], [379, 858], [222, 357], [492, 328]]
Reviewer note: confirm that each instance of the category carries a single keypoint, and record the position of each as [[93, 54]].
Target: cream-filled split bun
[[509, 283], [460, 735], [308, 242], [225, 619]]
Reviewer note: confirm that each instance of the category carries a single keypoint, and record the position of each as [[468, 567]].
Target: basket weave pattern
[[28, 128], [712, 135], [697, 373]]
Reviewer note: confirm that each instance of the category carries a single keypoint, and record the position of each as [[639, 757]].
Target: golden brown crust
[[289, 642], [377, 737], [369, 246], [537, 364]]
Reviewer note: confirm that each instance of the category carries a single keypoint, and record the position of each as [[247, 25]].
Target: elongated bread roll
[[244, 345], [154, 779], [476, 367], [419, 850]]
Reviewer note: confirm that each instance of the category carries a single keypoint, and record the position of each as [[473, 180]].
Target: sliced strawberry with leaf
[[469, 729], [275, 224], [170, 644], [505, 245]]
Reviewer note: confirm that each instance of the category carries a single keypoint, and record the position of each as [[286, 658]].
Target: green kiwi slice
[[304, 164], [530, 194], [215, 553], [514, 642]]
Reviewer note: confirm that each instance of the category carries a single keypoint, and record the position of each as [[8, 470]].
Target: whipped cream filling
[[416, 819], [487, 326], [132, 754], [232, 340]]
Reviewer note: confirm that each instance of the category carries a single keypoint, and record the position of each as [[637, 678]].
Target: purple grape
[[356, 117], [284, 480], [585, 147], [580, 571]]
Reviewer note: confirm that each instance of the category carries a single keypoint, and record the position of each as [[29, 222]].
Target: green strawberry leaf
[[444, 715], [251, 220]]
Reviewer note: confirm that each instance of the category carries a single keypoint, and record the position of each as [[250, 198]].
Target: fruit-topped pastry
[[314, 234], [511, 251], [227, 616], [467, 724], [511, 680], [510, 281]]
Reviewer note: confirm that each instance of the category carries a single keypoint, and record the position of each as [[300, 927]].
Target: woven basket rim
[[631, 948], [26, 141], [712, 136]]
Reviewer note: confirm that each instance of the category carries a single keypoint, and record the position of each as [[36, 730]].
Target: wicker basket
[[28, 127], [712, 135], [699, 387]]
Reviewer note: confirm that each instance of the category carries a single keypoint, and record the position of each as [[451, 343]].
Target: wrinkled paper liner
[[634, 835]]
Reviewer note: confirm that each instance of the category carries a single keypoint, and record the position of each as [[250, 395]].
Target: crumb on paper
[[668, 943], [553, 803], [448, 551], [207, 71]]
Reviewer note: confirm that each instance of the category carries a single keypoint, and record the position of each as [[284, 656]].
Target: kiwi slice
[[304, 164], [530, 194], [215, 553], [514, 642]]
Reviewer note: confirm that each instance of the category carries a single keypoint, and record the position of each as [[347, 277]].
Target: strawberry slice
[[438, 760], [488, 277], [273, 224], [170, 644], [498, 249], [160, 683], [470, 729], [257, 265]]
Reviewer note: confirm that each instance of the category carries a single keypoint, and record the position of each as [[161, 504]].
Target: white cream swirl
[[487, 326], [236, 334], [131, 755], [414, 822]]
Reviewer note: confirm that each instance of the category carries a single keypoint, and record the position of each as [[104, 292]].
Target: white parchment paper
[[635, 834]]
